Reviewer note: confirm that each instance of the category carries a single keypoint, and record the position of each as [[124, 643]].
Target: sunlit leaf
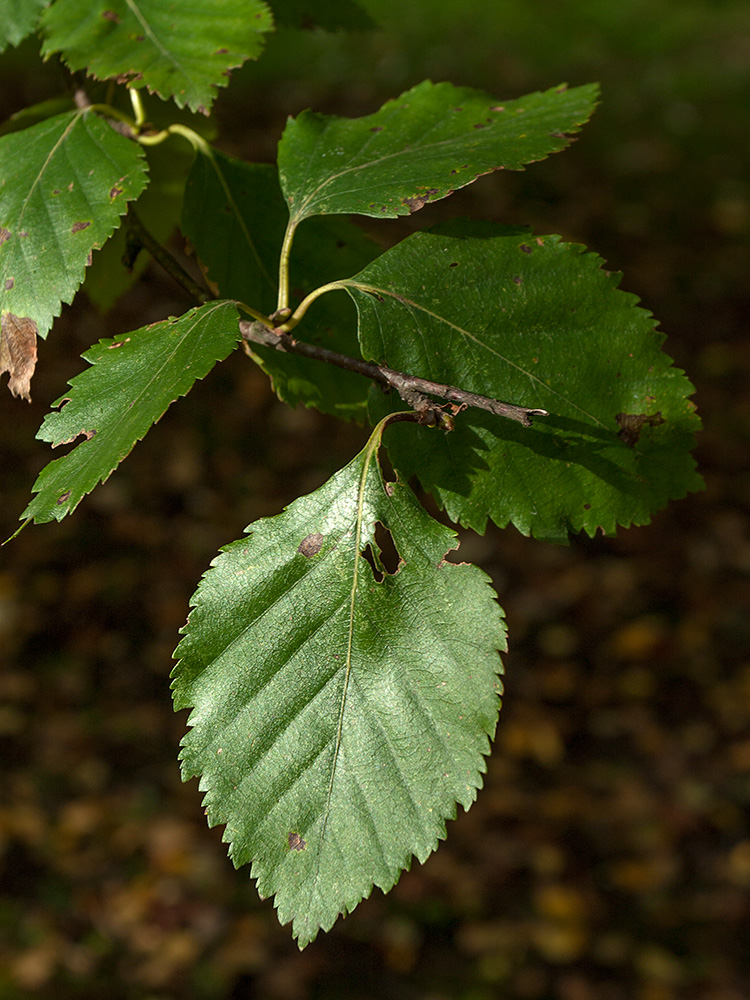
[[536, 322], [112, 404], [341, 708], [420, 147], [65, 184], [180, 51]]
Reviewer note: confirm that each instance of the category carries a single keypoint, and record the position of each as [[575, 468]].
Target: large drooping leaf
[[183, 51], [338, 718], [420, 147], [235, 216], [18, 19], [113, 404], [536, 322], [65, 183]]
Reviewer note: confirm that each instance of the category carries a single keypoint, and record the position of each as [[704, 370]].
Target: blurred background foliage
[[608, 856]]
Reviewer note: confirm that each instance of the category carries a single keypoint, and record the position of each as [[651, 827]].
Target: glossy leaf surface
[[420, 147], [338, 718], [535, 322]]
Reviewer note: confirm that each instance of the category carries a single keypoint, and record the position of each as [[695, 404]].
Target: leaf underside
[[114, 403], [66, 182], [420, 147], [535, 322], [180, 51], [338, 718]]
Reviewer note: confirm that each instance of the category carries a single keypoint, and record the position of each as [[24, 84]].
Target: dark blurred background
[[608, 856]]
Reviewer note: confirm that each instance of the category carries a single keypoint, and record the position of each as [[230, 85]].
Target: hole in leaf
[[372, 561], [390, 560]]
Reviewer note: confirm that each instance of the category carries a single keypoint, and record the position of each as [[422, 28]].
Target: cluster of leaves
[[341, 706]]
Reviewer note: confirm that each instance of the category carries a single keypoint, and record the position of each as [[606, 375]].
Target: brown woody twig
[[412, 389]]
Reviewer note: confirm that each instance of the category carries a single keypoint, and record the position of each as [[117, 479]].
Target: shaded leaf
[[338, 717], [183, 52], [18, 352], [18, 19], [65, 184], [35, 113], [235, 216], [420, 147], [535, 322], [158, 209], [114, 403]]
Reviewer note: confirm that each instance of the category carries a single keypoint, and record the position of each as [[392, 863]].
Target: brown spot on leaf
[[221, 52], [296, 843], [311, 545], [4, 235], [526, 249], [419, 201], [111, 15], [631, 425], [18, 352], [9, 284], [115, 191], [518, 279], [376, 128], [117, 343], [498, 107], [78, 226], [63, 497]]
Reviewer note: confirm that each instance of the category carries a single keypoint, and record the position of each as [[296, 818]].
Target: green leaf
[[35, 113], [328, 14], [535, 322], [338, 718], [235, 216], [158, 209], [180, 51], [130, 385], [65, 183], [420, 147], [18, 19]]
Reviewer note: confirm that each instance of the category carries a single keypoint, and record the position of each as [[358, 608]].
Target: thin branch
[[412, 389], [138, 237]]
